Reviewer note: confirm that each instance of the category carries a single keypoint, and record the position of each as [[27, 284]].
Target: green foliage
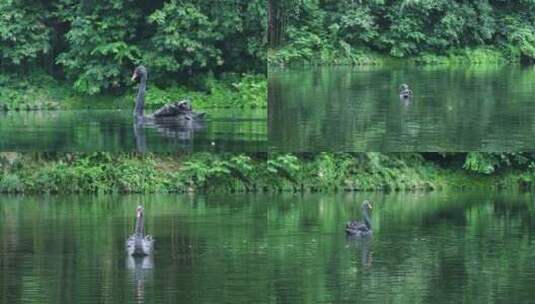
[[24, 35], [203, 173], [184, 40], [11, 183], [100, 40], [96, 44], [332, 170], [249, 91], [314, 31], [464, 56], [519, 37], [208, 172], [98, 172], [312, 50], [488, 163], [252, 91], [38, 91], [481, 163], [284, 170]]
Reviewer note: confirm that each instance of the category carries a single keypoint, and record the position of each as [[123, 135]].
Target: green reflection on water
[[486, 108], [441, 248], [109, 130]]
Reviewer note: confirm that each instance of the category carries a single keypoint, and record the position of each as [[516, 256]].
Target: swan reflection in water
[[362, 243], [140, 270], [182, 131]]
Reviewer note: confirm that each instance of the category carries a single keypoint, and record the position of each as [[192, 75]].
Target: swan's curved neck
[[367, 220], [140, 98], [139, 226]]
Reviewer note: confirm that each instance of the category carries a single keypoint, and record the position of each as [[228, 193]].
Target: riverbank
[[43, 92], [204, 172], [291, 55]]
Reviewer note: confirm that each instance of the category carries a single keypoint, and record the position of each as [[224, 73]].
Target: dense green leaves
[[120, 172], [487, 163], [185, 39], [100, 41], [313, 30], [96, 44], [23, 33]]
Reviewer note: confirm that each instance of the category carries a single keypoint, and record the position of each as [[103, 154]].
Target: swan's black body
[[404, 91], [178, 112], [139, 244], [356, 228]]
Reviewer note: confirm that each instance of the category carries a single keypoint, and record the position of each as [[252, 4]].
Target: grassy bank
[[203, 172], [43, 92], [329, 55]]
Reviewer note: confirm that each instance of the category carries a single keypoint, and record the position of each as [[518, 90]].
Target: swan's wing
[[353, 224], [363, 228], [130, 245], [166, 111], [148, 244], [130, 241]]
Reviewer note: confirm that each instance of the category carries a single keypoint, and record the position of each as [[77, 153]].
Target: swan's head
[[184, 105], [139, 211], [139, 73], [366, 206], [403, 87]]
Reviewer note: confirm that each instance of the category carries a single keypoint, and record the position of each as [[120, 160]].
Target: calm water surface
[[358, 109], [106, 130], [426, 248]]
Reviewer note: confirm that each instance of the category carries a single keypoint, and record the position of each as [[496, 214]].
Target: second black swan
[[404, 91], [356, 228]]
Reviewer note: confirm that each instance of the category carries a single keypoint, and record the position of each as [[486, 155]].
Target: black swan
[[176, 111], [139, 244], [404, 91], [356, 228]]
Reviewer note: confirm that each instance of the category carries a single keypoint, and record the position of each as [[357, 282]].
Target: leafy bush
[[283, 170], [488, 163], [207, 172], [252, 91], [38, 91], [11, 183], [96, 44], [338, 32], [248, 92], [519, 37], [100, 43], [184, 40], [24, 35]]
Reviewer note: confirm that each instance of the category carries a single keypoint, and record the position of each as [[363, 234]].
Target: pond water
[[426, 248], [108, 130], [484, 108]]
